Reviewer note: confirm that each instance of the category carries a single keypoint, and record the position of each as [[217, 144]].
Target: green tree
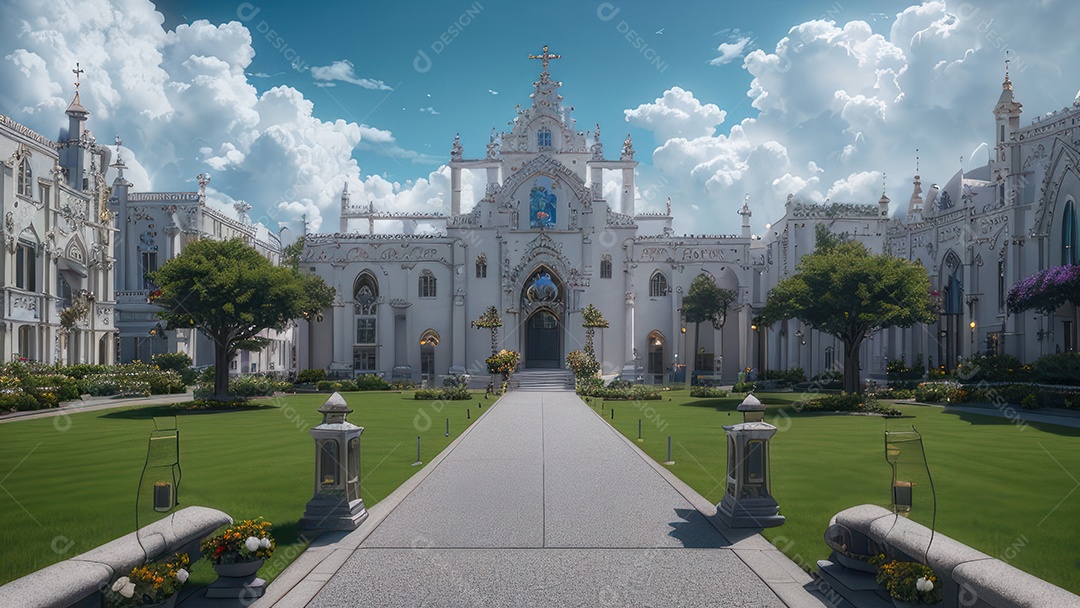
[[230, 292], [490, 320], [844, 290], [290, 255], [706, 301], [591, 319]]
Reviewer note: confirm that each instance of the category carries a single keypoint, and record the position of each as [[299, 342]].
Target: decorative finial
[[78, 75], [884, 182], [545, 57], [1007, 85], [916, 161]]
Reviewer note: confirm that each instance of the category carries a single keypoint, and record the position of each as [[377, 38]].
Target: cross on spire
[[545, 57], [78, 75]]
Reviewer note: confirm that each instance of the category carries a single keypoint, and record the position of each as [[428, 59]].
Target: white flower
[[182, 575], [924, 585], [264, 543], [252, 544], [120, 583], [128, 590]]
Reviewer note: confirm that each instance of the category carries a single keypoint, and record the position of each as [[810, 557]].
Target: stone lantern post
[[337, 504], [748, 501]]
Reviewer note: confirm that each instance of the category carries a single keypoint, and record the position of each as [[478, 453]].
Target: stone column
[[628, 191], [455, 190]]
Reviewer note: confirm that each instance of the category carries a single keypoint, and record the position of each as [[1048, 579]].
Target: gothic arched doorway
[[542, 306], [543, 348]]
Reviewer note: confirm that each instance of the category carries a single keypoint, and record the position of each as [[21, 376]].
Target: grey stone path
[[541, 503]]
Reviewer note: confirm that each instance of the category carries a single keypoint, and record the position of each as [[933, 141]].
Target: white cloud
[[430, 110], [677, 114], [493, 92], [343, 70], [730, 51], [183, 103], [839, 105]]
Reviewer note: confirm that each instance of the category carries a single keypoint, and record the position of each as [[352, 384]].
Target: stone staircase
[[542, 380]]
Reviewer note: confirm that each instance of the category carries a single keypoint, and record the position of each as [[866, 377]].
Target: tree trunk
[[221, 371], [851, 368]]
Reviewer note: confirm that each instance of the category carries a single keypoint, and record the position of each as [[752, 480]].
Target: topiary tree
[[490, 320], [591, 320], [706, 301]]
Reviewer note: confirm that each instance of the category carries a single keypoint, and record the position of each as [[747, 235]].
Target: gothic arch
[[1061, 179], [542, 165]]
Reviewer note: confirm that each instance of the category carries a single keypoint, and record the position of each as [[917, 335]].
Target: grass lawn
[[68, 484], [1005, 490]]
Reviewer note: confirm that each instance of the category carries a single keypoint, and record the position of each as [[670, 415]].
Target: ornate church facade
[[57, 261], [544, 242]]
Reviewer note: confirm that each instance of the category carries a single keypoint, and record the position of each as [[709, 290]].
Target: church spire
[[75, 109], [915, 204]]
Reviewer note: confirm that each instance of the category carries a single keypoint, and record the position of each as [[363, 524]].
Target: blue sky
[[285, 103]]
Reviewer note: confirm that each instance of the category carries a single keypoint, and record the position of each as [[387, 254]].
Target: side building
[[155, 227], [58, 234]]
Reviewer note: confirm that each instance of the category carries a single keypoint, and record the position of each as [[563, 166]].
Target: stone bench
[[77, 582], [970, 578]]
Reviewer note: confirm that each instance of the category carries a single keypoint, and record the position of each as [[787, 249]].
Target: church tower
[[74, 156], [1006, 164]]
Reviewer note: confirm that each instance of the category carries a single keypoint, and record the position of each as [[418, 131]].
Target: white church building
[[543, 242]]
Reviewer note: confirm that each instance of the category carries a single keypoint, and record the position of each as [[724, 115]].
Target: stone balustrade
[[79, 581]]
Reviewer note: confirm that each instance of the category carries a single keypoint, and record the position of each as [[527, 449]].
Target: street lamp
[[972, 326], [798, 356]]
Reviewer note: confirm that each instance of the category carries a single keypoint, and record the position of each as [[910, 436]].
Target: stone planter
[[237, 581]]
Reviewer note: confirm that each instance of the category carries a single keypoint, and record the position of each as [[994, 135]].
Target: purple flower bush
[[1046, 290]]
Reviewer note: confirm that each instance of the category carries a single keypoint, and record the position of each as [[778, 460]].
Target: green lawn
[[68, 484], [1008, 492]]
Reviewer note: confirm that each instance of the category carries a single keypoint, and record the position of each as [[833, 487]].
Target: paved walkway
[[541, 503]]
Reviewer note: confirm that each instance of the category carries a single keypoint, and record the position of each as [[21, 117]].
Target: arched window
[[365, 306], [543, 138], [481, 266], [830, 358], [657, 285], [25, 184], [26, 266], [1068, 235], [427, 284], [605, 266]]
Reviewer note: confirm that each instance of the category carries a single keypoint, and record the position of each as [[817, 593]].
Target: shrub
[[50, 389], [744, 387], [404, 385], [1063, 368], [792, 375], [1030, 401], [178, 362], [447, 393], [991, 368], [311, 376], [845, 402], [932, 392], [582, 364], [903, 377], [630, 392], [707, 392], [371, 382], [246, 387]]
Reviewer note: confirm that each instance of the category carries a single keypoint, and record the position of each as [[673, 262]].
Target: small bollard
[[639, 430], [447, 427], [612, 413], [418, 462], [669, 461]]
